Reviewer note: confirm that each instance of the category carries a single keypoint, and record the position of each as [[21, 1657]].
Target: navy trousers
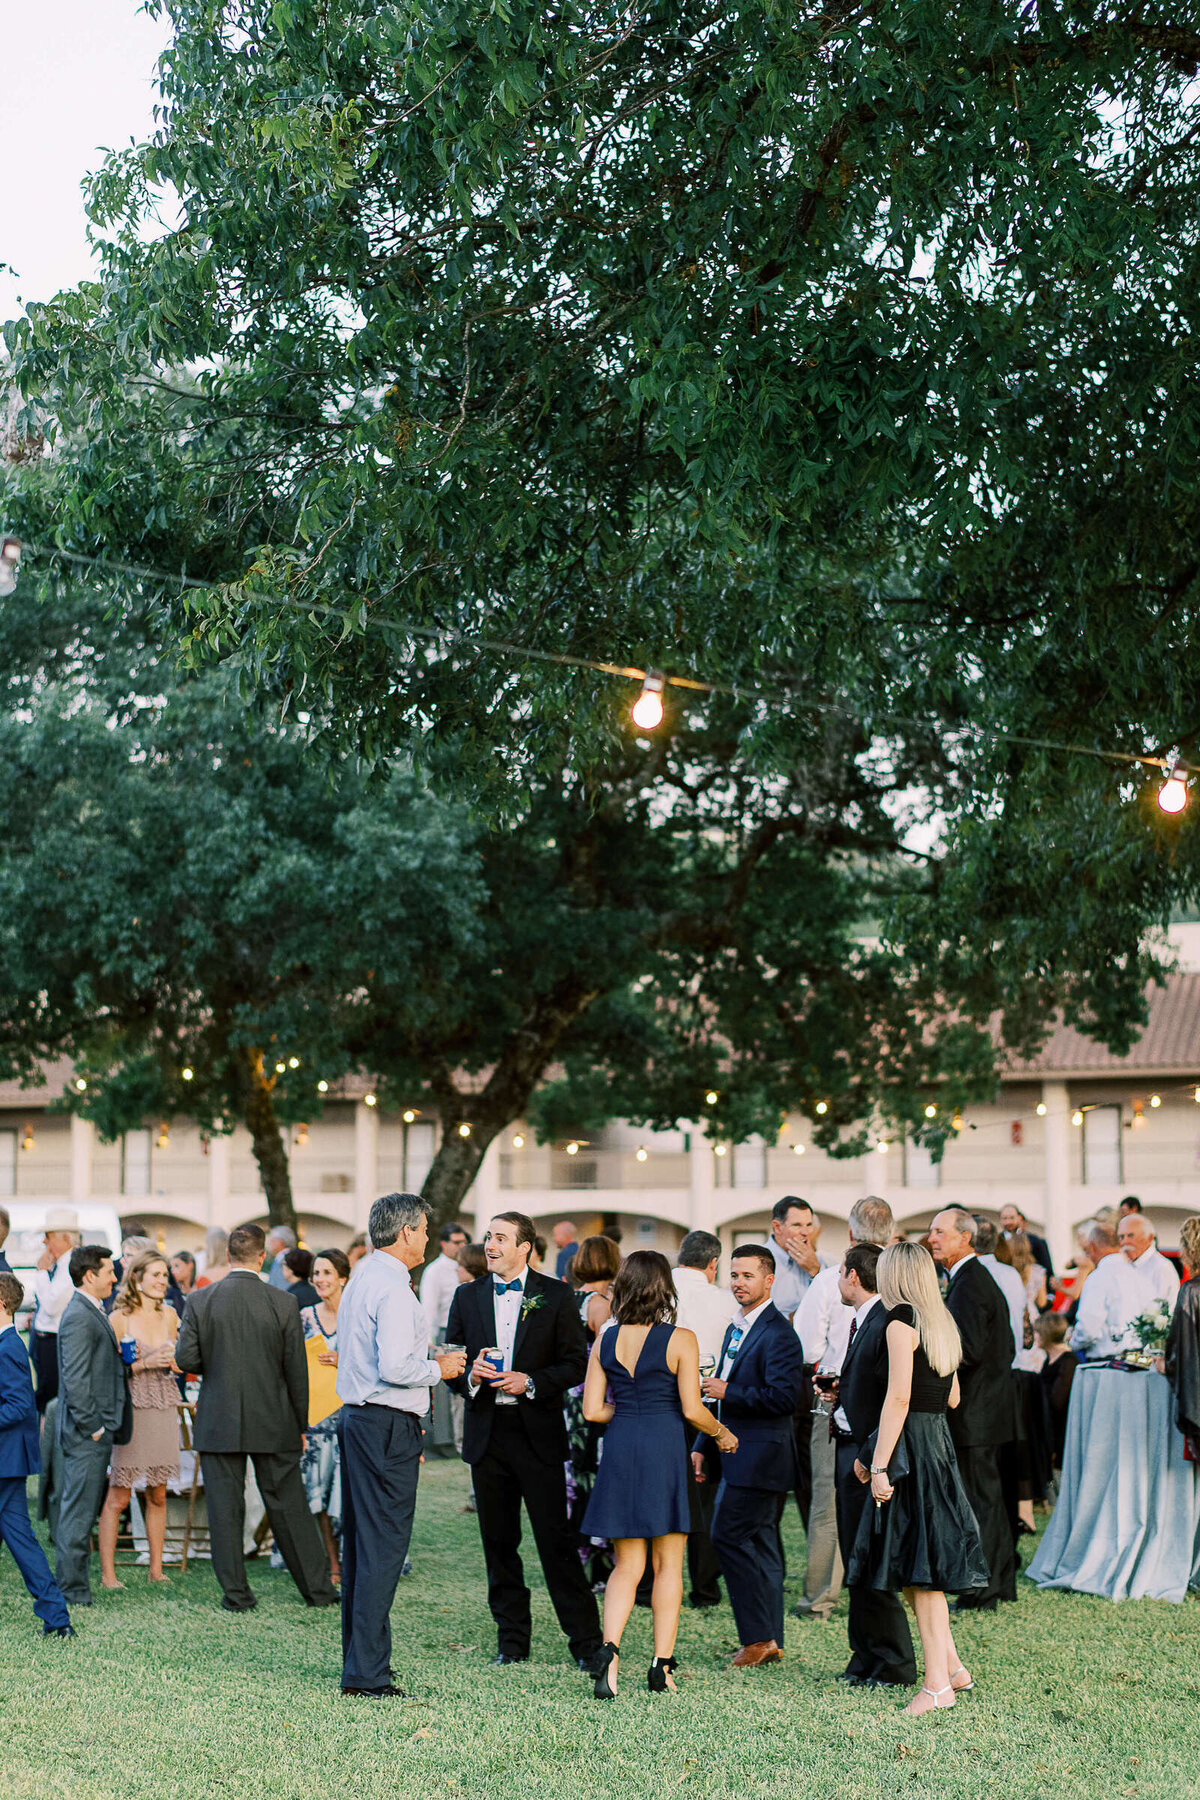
[[381, 1459], [27, 1553], [745, 1536]]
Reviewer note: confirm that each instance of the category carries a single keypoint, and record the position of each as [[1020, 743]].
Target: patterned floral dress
[[321, 1463], [583, 1463]]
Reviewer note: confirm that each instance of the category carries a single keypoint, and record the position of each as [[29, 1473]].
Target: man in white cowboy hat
[[52, 1290]]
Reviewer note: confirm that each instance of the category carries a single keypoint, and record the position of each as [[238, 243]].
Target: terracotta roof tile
[[1170, 1044]]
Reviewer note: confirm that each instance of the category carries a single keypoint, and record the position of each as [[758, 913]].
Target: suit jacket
[[986, 1413], [862, 1386], [92, 1388], [245, 1338], [19, 1452], [550, 1346], [760, 1398]]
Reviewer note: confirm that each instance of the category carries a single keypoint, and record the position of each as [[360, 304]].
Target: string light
[[370, 1100], [302, 1135], [1040, 1109], [648, 707], [1172, 795], [1156, 1100], [80, 1085], [409, 1115], [882, 1146], [821, 1108], [322, 1087], [797, 1149], [572, 1149], [464, 1131], [27, 1140], [1077, 1117], [641, 1153], [164, 1136], [956, 1123], [722, 1149], [1196, 1095], [280, 1067], [10, 563], [711, 1098], [931, 1112], [188, 1074], [518, 1142], [293, 1062]]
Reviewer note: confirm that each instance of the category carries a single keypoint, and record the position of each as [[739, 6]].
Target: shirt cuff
[[435, 1372]]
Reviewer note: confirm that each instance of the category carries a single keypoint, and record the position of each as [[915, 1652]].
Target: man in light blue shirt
[[384, 1379], [280, 1239]]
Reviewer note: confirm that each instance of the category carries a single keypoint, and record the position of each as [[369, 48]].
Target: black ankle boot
[[656, 1674], [601, 1689]]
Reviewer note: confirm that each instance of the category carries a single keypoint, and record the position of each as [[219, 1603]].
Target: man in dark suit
[[515, 1436], [92, 1399], [20, 1458], [758, 1376], [881, 1649], [984, 1419], [1013, 1219], [245, 1338]]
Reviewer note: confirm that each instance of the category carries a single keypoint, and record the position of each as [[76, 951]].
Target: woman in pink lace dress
[[151, 1457]]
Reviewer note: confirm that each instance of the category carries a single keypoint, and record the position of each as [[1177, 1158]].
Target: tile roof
[[1170, 1044]]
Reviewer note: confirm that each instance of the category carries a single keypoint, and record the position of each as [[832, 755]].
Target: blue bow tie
[[735, 1338], [508, 1287]]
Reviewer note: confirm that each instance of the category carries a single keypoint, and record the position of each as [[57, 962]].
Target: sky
[[78, 80]]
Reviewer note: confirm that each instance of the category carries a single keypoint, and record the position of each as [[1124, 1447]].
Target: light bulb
[[957, 1122], [302, 1134], [931, 1112], [1172, 795], [711, 1098], [1156, 1099], [409, 1115], [722, 1149], [293, 1062], [648, 707], [641, 1153], [164, 1137], [572, 1149], [280, 1067], [322, 1087], [369, 1100], [80, 1085], [27, 1140], [1077, 1117], [518, 1142], [188, 1074], [797, 1149], [1040, 1109], [882, 1146], [464, 1130], [1196, 1096], [822, 1107]]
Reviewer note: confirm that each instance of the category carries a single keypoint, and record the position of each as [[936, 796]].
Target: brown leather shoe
[[751, 1655]]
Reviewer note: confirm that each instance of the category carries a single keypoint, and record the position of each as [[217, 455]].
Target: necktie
[[735, 1338], [853, 1334], [508, 1287]]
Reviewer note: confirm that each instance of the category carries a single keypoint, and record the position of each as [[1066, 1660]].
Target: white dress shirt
[[705, 1309], [1159, 1274], [823, 1323], [860, 1313], [745, 1321], [1013, 1289], [383, 1337], [439, 1284], [52, 1290], [1113, 1295]]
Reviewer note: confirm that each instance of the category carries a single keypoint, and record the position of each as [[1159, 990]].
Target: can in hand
[[128, 1351], [494, 1357]]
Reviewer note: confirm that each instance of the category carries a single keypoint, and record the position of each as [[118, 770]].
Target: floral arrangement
[[1148, 1332]]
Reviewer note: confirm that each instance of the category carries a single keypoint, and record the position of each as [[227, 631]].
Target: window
[[135, 1163], [418, 1157], [8, 1164], [1102, 1146], [920, 1170]]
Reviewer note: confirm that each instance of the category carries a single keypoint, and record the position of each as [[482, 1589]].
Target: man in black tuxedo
[[985, 1418], [93, 1414], [881, 1649], [245, 1338], [758, 1377], [515, 1435]]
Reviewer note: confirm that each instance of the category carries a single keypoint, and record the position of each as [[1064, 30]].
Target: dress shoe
[[238, 1605], [506, 1656], [750, 1656], [58, 1631], [820, 1613], [384, 1693], [849, 1680]]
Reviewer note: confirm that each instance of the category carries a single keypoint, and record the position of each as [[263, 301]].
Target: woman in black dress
[[652, 1369], [921, 1534]]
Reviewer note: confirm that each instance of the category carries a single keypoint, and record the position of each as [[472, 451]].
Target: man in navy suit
[[756, 1385], [19, 1459]]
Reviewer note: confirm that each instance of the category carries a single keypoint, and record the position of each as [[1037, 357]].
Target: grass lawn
[[162, 1695]]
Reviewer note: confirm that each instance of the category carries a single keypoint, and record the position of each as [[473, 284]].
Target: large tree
[[843, 356]]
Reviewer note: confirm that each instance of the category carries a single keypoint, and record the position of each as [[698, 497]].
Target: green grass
[[162, 1695]]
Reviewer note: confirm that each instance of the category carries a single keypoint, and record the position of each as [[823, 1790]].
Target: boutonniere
[[530, 1303]]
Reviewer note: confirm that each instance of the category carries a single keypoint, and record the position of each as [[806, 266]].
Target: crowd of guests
[[652, 1425]]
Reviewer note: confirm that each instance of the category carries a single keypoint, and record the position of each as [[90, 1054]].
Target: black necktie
[[853, 1334]]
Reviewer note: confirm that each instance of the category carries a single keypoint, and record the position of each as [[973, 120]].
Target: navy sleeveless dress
[[641, 1489]]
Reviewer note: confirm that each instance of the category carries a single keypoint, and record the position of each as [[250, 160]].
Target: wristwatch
[[879, 1468], [530, 1392]]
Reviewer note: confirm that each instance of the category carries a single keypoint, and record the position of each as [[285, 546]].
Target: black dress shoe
[[58, 1631], [384, 1693], [239, 1605], [506, 1656], [849, 1680]]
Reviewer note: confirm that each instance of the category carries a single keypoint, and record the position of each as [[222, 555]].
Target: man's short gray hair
[[282, 1234], [871, 1220], [394, 1213], [962, 1220], [985, 1235], [698, 1250], [1095, 1231]]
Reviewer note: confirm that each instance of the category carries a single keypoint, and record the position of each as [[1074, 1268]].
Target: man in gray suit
[[91, 1411], [244, 1337]]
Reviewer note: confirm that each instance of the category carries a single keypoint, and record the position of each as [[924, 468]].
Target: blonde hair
[[129, 1294], [906, 1276], [1189, 1240]]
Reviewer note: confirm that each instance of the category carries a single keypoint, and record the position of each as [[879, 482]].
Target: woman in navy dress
[[651, 1367]]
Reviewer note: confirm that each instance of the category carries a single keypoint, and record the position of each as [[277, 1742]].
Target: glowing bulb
[[518, 1142], [322, 1087], [188, 1074], [27, 1140], [302, 1134], [80, 1085], [293, 1062], [882, 1146], [280, 1067], [931, 1112], [822, 1107], [572, 1149], [956, 1122], [164, 1137], [797, 1149], [370, 1100], [1077, 1118], [1156, 1099], [711, 1098], [641, 1153], [1196, 1096], [409, 1115], [722, 1149], [1172, 795], [1040, 1109], [464, 1130], [648, 707]]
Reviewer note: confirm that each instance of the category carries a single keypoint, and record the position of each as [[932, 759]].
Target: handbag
[[899, 1465], [124, 1430]]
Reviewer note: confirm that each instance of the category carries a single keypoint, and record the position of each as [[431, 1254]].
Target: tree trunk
[[269, 1152], [453, 1170]]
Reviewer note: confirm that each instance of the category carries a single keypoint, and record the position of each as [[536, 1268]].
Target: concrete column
[[366, 1161], [82, 1138], [703, 1208], [218, 1182], [1059, 1151]]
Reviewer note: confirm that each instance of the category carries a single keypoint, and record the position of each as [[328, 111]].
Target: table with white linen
[[1127, 1521]]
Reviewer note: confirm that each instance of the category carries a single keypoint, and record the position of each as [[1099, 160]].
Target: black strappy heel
[[656, 1675], [601, 1689]]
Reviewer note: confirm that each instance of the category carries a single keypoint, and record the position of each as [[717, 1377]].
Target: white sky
[[77, 80]]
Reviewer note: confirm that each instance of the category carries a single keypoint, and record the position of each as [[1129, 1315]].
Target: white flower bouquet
[[1146, 1335]]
